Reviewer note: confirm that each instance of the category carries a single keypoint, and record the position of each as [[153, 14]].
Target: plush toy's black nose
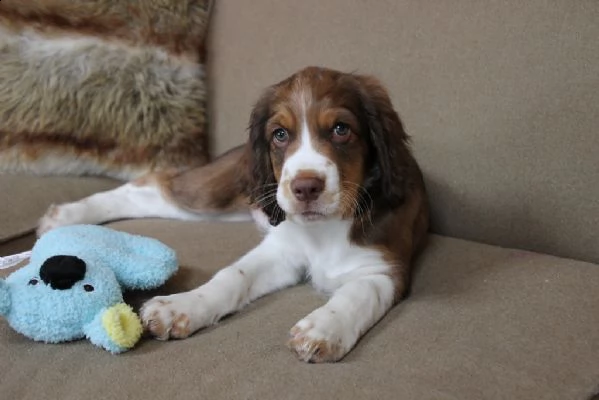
[[62, 272]]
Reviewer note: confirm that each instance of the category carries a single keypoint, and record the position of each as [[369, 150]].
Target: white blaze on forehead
[[306, 157]]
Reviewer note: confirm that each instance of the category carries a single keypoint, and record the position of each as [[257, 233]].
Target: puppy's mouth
[[314, 212], [321, 208], [312, 216]]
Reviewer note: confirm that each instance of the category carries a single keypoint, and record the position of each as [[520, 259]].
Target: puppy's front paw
[[61, 215], [318, 338], [171, 317]]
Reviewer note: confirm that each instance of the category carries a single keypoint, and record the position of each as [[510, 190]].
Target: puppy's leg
[[331, 331], [215, 191], [127, 201], [263, 270], [375, 281]]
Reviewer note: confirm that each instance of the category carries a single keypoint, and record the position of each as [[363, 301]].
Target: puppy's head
[[325, 144]]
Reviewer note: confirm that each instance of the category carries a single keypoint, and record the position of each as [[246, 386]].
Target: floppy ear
[[141, 262], [391, 159], [262, 182], [138, 262]]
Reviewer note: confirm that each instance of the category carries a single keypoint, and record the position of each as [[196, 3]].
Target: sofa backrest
[[501, 99]]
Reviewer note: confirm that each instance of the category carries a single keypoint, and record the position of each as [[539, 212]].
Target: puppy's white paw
[[320, 337], [61, 215], [173, 317]]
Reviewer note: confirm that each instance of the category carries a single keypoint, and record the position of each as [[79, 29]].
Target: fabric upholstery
[[24, 199], [482, 323], [500, 99]]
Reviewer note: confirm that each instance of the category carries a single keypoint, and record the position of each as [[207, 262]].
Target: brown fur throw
[[102, 87]]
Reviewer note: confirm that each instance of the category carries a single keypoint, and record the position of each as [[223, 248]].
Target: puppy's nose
[[307, 189], [62, 272]]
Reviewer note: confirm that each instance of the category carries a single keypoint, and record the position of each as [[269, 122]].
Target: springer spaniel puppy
[[331, 180]]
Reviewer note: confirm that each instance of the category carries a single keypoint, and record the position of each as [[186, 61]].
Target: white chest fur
[[326, 253]]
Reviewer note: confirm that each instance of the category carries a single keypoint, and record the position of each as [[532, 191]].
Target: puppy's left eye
[[340, 132], [33, 282]]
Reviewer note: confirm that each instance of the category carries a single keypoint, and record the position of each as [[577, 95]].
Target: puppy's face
[[316, 148], [313, 145]]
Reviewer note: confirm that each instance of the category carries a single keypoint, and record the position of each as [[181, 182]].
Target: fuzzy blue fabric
[[4, 298], [113, 261]]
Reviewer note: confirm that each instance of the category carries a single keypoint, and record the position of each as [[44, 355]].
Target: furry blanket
[[102, 87]]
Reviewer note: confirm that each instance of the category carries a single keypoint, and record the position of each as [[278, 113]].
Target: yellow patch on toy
[[122, 325]]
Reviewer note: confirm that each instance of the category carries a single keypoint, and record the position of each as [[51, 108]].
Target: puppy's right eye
[[280, 136], [33, 282]]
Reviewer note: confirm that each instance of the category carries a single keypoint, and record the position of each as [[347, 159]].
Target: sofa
[[501, 101]]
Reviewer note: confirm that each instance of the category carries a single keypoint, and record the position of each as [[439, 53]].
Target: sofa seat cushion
[[482, 323], [24, 199]]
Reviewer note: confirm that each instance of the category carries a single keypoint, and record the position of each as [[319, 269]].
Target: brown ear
[[390, 160], [262, 182]]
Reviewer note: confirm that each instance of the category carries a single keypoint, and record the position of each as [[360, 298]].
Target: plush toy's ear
[[138, 262], [4, 298], [116, 329], [141, 262]]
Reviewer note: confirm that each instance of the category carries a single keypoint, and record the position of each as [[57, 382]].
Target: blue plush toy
[[72, 286]]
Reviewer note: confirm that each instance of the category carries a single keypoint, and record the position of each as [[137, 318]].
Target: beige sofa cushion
[[24, 199], [500, 98], [482, 323]]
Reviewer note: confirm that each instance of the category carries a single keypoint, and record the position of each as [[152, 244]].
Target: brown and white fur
[[334, 185]]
